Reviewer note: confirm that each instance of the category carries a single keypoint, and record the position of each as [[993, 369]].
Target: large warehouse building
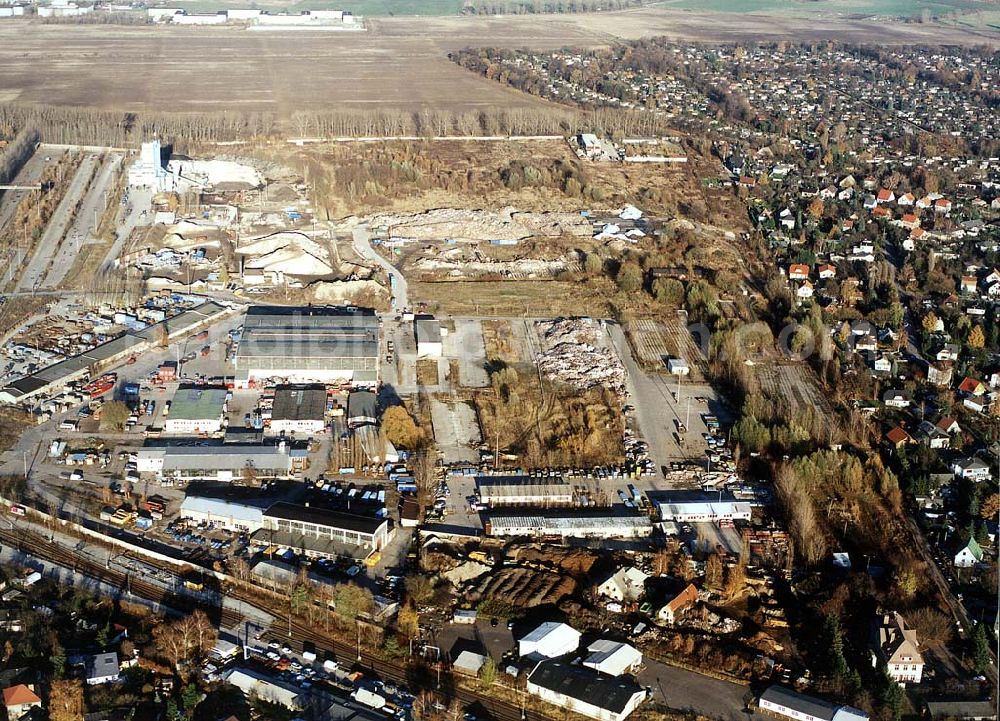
[[318, 532], [538, 522], [495, 491], [309, 344], [196, 410], [244, 464], [299, 410]]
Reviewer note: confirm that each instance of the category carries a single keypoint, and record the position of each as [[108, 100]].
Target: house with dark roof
[[585, 691], [965, 709]]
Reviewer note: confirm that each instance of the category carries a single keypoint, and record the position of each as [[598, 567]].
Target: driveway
[[362, 246]]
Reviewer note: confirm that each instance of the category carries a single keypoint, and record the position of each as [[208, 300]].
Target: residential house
[[897, 398], [898, 438], [949, 425], [895, 644], [625, 584], [678, 604], [948, 352], [905, 200], [909, 221], [882, 366], [20, 700], [827, 271], [932, 436], [798, 271], [972, 386], [865, 343], [973, 468], [885, 196], [942, 206], [968, 555], [101, 668], [805, 290], [940, 374]]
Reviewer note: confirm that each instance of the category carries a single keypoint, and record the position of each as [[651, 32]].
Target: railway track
[[399, 672]]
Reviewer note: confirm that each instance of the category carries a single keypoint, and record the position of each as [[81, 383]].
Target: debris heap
[[572, 355]]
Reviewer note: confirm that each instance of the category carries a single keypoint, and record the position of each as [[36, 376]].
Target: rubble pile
[[477, 226], [571, 355]]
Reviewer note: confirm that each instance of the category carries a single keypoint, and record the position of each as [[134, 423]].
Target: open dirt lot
[[399, 62]]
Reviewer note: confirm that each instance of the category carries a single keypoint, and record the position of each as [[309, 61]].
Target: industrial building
[[613, 657], [549, 640], [298, 410], [428, 334], [227, 463], [196, 410], [52, 379], [230, 515], [309, 344], [361, 409], [316, 532], [149, 170], [496, 491], [784, 703], [585, 691], [604, 523], [698, 506]]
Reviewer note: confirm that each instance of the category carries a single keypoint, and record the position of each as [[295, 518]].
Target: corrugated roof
[[223, 508]]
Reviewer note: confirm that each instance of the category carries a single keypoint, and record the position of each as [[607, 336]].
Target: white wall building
[[788, 704], [550, 640], [896, 644], [613, 657], [230, 515], [149, 170], [585, 691], [428, 333], [625, 584]]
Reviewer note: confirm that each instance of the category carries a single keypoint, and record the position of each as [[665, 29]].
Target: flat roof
[[568, 520], [299, 404], [310, 543], [223, 508], [428, 330], [361, 404], [197, 404], [323, 517], [300, 333], [510, 486], [225, 458]]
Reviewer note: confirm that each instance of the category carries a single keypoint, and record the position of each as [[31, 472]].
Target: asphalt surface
[[362, 246], [84, 227], [57, 227], [30, 174]]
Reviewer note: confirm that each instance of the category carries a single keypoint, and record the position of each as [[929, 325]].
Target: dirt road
[[362, 246]]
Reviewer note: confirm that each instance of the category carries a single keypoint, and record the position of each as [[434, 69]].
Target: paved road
[[137, 213], [363, 248], [84, 227], [45, 250], [30, 174]]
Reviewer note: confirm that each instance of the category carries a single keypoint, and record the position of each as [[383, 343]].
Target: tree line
[[16, 154]]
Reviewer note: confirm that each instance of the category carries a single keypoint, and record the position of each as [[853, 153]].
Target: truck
[[368, 698]]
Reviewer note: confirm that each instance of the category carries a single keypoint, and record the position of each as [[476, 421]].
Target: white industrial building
[[225, 464], [10, 11], [428, 334], [149, 170], [231, 515], [496, 491], [320, 533], [585, 691], [678, 366], [696, 507], [309, 344], [298, 411], [550, 640], [196, 410], [613, 658], [788, 704], [254, 683], [63, 9], [536, 522]]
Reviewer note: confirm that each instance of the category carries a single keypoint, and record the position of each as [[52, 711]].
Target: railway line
[[399, 672]]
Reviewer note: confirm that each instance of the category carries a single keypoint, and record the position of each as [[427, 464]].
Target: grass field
[[363, 8], [866, 8]]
